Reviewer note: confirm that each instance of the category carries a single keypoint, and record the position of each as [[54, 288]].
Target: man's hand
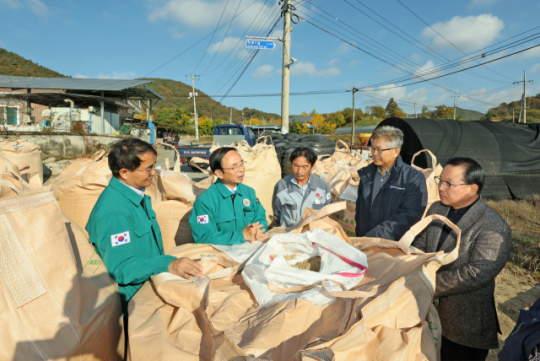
[[252, 231], [185, 267]]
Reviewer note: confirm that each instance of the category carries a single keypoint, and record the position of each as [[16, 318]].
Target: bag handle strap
[[343, 144], [177, 162], [265, 137], [325, 211], [199, 160], [433, 158], [408, 238]]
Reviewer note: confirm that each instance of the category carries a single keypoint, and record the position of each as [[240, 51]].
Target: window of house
[[8, 115]]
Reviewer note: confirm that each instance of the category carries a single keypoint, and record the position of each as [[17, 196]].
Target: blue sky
[[126, 40]]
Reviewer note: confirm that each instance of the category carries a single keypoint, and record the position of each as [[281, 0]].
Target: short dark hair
[[474, 173], [216, 158], [305, 152], [125, 154]]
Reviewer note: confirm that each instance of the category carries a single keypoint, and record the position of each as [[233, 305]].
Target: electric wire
[[212, 38]]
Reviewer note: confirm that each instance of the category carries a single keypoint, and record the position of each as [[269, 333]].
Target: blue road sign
[[260, 44]]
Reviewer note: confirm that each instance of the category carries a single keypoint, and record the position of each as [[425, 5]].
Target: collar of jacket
[[126, 192], [225, 191], [468, 219], [370, 171]]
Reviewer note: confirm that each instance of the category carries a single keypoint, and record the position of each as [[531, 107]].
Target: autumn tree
[[393, 110], [378, 111], [425, 112], [338, 118], [298, 127], [444, 112]]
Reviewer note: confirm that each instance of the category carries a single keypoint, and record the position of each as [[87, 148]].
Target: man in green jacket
[[228, 212], [123, 226]]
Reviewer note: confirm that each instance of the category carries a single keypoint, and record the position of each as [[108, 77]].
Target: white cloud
[[116, 75], [36, 6], [532, 53], [478, 3], [416, 58], [535, 68], [175, 34], [332, 62], [428, 69], [467, 33], [206, 13], [224, 46], [343, 49], [302, 68], [80, 76], [263, 71], [333, 71]]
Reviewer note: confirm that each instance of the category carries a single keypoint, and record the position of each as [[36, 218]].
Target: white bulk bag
[[272, 279]]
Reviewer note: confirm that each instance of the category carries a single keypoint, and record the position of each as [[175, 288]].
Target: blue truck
[[224, 134]]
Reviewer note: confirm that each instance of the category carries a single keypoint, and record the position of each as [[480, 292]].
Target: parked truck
[[224, 134]]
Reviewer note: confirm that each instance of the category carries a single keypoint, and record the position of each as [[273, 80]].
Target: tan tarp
[[263, 170], [340, 171], [58, 301], [430, 174], [388, 316], [23, 153]]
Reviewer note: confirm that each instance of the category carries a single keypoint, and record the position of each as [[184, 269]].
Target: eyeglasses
[[147, 171], [446, 185], [379, 150], [237, 167]]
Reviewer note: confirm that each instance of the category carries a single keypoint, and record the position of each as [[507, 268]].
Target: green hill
[[15, 65], [504, 110], [177, 93]]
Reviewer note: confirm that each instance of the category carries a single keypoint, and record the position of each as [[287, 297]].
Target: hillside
[[504, 110], [13, 64], [177, 93], [467, 114]]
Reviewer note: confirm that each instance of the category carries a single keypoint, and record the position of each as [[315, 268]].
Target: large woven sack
[[340, 171], [81, 162], [78, 191], [22, 152], [388, 316], [12, 182], [430, 174], [173, 195], [58, 301], [263, 170]]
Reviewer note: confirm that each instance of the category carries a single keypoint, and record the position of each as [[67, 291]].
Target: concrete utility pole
[[524, 107], [243, 120], [230, 118], [354, 90], [455, 96], [415, 113], [194, 95], [286, 63]]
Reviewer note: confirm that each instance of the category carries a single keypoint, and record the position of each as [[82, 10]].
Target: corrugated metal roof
[[300, 118], [77, 84], [11, 78]]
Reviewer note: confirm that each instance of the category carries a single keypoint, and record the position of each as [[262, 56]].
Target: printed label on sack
[[202, 219], [120, 239]]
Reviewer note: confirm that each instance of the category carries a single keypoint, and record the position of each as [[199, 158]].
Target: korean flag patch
[[202, 219], [120, 239]]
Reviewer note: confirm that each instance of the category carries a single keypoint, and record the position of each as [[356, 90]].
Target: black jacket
[[400, 203]]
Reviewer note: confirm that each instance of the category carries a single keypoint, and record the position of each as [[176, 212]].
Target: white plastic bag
[[272, 279]]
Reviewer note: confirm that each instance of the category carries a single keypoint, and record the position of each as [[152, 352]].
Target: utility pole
[[455, 96], [415, 113], [243, 120], [230, 118], [524, 107], [354, 90], [286, 9], [194, 95]]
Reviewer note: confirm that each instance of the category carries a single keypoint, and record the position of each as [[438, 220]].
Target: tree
[[460, 118], [313, 112], [444, 112], [425, 112], [176, 120], [393, 110], [338, 118], [378, 111], [298, 127], [305, 114]]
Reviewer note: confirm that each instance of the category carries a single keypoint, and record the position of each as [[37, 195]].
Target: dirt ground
[[512, 293]]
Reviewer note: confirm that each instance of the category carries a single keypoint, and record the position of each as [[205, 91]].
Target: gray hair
[[392, 135]]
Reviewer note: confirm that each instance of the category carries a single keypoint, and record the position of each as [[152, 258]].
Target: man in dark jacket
[[392, 196], [464, 289]]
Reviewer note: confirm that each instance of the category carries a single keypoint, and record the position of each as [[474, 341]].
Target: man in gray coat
[[465, 288]]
